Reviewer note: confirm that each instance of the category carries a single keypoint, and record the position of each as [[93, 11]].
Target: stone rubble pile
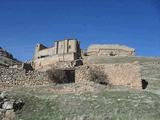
[[19, 74], [10, 77], [8, 106], [11, 73]]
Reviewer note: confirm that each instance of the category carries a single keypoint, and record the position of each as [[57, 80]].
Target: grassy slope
[[112, 104]]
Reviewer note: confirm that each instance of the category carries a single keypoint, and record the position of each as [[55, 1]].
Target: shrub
[[98, 76]]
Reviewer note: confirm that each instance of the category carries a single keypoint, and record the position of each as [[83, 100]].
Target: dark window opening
[[43, 56], [144, 84], [70, 76], [62, 76]]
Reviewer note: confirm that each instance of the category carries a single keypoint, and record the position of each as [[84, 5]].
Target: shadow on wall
[[99, 76], [61, 76], [144, 84]]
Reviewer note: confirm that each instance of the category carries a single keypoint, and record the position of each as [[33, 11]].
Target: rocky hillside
[[7, 58]]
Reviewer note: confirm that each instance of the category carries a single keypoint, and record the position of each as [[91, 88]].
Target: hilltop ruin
[[69, 51], [65, 54], [66, 62]]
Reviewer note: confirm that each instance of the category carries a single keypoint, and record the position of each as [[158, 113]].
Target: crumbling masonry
[[63, 51], [67, 56], [66, 52]]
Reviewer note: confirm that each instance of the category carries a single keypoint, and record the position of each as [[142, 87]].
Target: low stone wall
[[10, 77], [127, 74], [62, 65]]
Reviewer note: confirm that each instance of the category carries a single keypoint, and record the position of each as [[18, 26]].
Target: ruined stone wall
[[37, 49], [46, 52], [110, 50], [127, 74], [49, 61], [115, 52], [10, 77], [67, 46]]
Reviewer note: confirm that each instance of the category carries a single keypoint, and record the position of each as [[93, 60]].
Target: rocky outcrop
[[8, 106], [7, 59], [5, 53]]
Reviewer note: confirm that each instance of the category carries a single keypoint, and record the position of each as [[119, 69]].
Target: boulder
[[9, 115], [3, 95], [8, 105]]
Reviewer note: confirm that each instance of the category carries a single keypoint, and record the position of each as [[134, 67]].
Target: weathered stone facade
[[69, 50], [110, 50], [127, 74], [65, 50], [10, 77]]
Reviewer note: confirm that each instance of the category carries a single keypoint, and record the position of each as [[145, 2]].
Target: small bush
[[99, 76]]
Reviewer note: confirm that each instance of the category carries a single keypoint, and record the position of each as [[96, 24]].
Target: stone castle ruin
[[66, 52], [68, 59], [63, 51], [69, 51]]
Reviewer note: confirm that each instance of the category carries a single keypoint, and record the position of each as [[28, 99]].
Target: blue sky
[[135, 23]]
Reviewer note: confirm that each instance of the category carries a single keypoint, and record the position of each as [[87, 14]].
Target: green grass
[[109, 104], [39, 109]]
